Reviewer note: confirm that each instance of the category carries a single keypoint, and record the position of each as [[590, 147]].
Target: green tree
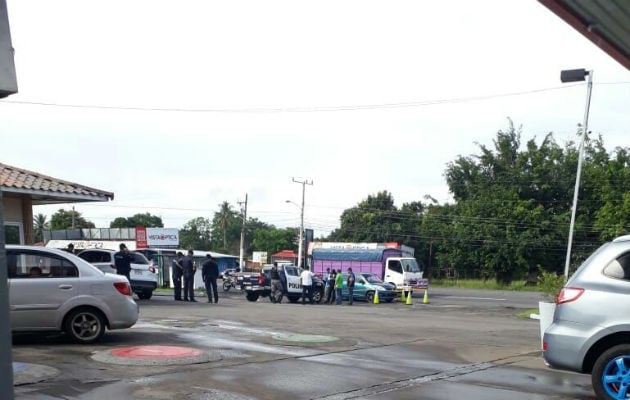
[[63, 219], [146, 220], [226, 230], [273, 240], [196, 234], [40, 223]]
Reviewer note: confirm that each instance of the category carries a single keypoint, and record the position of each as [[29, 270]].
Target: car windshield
[[371, 278], [410, 265]]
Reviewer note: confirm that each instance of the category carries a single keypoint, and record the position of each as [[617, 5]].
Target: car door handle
[[65, 287]]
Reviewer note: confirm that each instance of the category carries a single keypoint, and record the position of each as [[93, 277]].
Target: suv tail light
[[124, 288], [569, 294], [152, 269], [261, 279]]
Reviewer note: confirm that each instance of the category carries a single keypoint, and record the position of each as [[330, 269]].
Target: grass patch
[[526, 313], [489, 284]]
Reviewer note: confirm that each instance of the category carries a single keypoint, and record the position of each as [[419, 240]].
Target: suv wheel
[[610, 376], [85, 325]]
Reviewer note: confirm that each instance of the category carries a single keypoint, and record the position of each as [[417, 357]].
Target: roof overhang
[[604, 22]]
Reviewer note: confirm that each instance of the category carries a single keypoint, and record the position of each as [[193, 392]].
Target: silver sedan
[[53, 290]]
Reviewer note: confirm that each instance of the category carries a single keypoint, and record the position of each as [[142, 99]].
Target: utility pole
[[72, 217], [301, 235], [244, 213]]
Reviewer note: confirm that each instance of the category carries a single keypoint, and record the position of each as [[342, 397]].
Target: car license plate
[[137, 272]]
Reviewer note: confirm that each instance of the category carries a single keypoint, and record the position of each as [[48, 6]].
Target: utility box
[[8, 80]]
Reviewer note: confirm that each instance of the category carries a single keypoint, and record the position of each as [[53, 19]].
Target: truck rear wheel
[[252, 296]]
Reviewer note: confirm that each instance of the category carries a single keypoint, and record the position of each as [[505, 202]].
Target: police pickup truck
[[258, 284]]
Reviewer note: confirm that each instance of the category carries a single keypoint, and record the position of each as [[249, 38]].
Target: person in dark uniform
[[122, 260], [188, 266], [177, 276], [210, 273], [276, 285]]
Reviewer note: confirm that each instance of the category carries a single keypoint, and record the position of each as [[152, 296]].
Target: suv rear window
[[138, 258]]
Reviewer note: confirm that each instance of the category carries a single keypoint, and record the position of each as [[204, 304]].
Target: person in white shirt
[[306, 279]]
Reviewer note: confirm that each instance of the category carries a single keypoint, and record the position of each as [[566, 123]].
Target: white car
[[143, 275], [53, 290]]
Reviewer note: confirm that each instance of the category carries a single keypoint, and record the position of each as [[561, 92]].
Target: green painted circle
[[296, 337]]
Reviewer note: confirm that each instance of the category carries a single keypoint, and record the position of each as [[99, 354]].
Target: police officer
[[276, 285], [188, 267], [177, 276], [122, 260], [210, 273]]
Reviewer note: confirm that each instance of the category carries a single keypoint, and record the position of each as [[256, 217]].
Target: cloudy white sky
[[178, 106]]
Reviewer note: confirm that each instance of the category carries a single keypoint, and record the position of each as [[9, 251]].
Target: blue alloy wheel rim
[[616, 377]]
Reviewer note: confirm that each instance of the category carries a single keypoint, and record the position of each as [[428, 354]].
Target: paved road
[[466, 344]]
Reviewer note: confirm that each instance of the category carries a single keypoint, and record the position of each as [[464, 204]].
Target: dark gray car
[[591, 326]]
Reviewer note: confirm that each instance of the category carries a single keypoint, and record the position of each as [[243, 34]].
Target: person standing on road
[[350, 283], [210, 273], [70, 248], [276, 285], [188, 266], [338, 287], [122, 260], [306, 279], [328, 280], [177, 272], [332, 294]]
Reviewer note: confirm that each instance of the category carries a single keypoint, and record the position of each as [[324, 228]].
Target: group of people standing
[[334, 285], [185, 267]]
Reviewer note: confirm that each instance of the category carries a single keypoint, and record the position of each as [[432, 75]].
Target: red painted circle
[[155, 352]]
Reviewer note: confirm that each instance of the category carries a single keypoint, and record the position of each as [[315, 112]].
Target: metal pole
[[6, 363], [301, 236], [241, 252], [589, 88]]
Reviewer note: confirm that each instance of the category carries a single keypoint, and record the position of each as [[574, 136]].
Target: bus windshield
[[410, 265]]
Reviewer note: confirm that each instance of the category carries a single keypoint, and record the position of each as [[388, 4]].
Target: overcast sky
[[200, 102]]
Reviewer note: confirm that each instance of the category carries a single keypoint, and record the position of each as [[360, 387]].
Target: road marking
[[476, 298]]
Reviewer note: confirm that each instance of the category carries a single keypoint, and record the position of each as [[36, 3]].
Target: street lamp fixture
[[577, 75]]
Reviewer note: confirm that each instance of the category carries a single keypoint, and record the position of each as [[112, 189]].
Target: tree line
[[509, 216]]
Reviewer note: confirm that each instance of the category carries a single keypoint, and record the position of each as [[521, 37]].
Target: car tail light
[[545, 346], [152, 269], [261, 279], [569, 294], [124, 288]]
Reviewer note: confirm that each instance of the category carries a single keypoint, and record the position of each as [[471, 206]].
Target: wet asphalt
[[463, 344]]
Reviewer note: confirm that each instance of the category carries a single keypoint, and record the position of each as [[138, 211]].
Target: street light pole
[[575, 75], [301, 234]]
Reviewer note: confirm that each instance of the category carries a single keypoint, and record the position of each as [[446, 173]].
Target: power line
[[253, 110]]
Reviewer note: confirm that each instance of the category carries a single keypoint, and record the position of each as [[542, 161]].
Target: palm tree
[[224, 215], [39, 225]]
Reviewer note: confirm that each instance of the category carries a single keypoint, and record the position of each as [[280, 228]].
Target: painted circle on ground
[[155, 355], [156, 352], [298, 337]]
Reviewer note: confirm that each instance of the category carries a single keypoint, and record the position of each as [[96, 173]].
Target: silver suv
[[591, 325], [143, 275]]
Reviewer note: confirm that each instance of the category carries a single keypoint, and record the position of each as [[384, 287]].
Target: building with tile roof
[[22, 189]]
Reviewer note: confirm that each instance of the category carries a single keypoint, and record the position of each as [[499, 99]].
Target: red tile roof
[[286, 254], [18, 180]]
